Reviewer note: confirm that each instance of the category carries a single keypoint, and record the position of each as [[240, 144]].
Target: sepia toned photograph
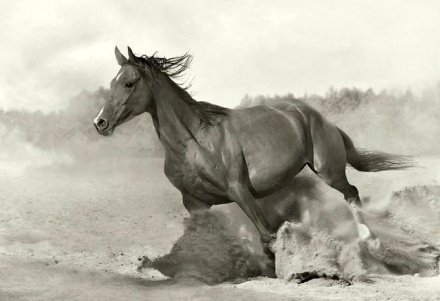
[[219, 150]]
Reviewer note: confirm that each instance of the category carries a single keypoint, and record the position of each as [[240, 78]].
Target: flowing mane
[[174, 68]]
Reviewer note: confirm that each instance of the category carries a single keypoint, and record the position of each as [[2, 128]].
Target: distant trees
[[405, 123]]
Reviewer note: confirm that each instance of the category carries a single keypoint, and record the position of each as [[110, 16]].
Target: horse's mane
[[174, 68]]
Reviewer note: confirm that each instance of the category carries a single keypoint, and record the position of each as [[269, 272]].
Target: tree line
[[384, 121]]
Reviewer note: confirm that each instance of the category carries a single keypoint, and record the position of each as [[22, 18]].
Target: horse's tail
[[364, 160]]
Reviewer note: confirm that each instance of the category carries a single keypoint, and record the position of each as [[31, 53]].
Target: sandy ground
[[77, 231], [37, 281]]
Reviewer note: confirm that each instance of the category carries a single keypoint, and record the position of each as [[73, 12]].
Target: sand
[[81, 233]]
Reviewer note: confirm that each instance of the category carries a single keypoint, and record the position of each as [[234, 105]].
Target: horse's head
[[130, 95]]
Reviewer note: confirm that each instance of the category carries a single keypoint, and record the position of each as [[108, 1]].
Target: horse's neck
[[175, 121]]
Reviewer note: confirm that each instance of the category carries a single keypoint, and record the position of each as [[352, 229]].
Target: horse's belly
[[265, 177]]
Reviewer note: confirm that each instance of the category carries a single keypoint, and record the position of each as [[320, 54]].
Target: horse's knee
[[351, 195]]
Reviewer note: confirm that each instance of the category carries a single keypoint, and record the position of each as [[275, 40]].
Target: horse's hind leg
[[329, 157], [351, 195], [332, 172], [350, 192]]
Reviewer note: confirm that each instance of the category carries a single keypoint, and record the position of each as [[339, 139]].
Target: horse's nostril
[[102, 124]]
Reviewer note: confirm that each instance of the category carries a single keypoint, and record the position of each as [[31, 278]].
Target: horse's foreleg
[[242, 196]]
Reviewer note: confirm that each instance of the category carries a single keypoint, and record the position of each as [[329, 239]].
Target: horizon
[[393, 93]]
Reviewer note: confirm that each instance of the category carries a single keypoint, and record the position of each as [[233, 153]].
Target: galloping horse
[[215, 155]]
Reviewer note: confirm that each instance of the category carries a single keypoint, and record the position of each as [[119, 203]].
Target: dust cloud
[[17, 154], [321, 241], [210, 251]]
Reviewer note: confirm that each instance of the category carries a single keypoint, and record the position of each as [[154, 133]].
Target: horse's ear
[[131, 57], [120, 57]]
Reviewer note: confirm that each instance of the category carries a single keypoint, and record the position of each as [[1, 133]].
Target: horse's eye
[[129, 85]]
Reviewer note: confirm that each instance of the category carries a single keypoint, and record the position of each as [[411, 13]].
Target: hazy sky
[[51, 50]]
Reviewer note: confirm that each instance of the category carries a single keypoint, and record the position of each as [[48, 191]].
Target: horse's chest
[[195, 174]]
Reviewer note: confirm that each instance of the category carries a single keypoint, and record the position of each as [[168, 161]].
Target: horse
[[216, 155]]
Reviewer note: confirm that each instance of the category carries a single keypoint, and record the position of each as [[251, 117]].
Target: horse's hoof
[[364, 232]]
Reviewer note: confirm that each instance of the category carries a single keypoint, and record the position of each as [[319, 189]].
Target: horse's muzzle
[[102, 126]]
